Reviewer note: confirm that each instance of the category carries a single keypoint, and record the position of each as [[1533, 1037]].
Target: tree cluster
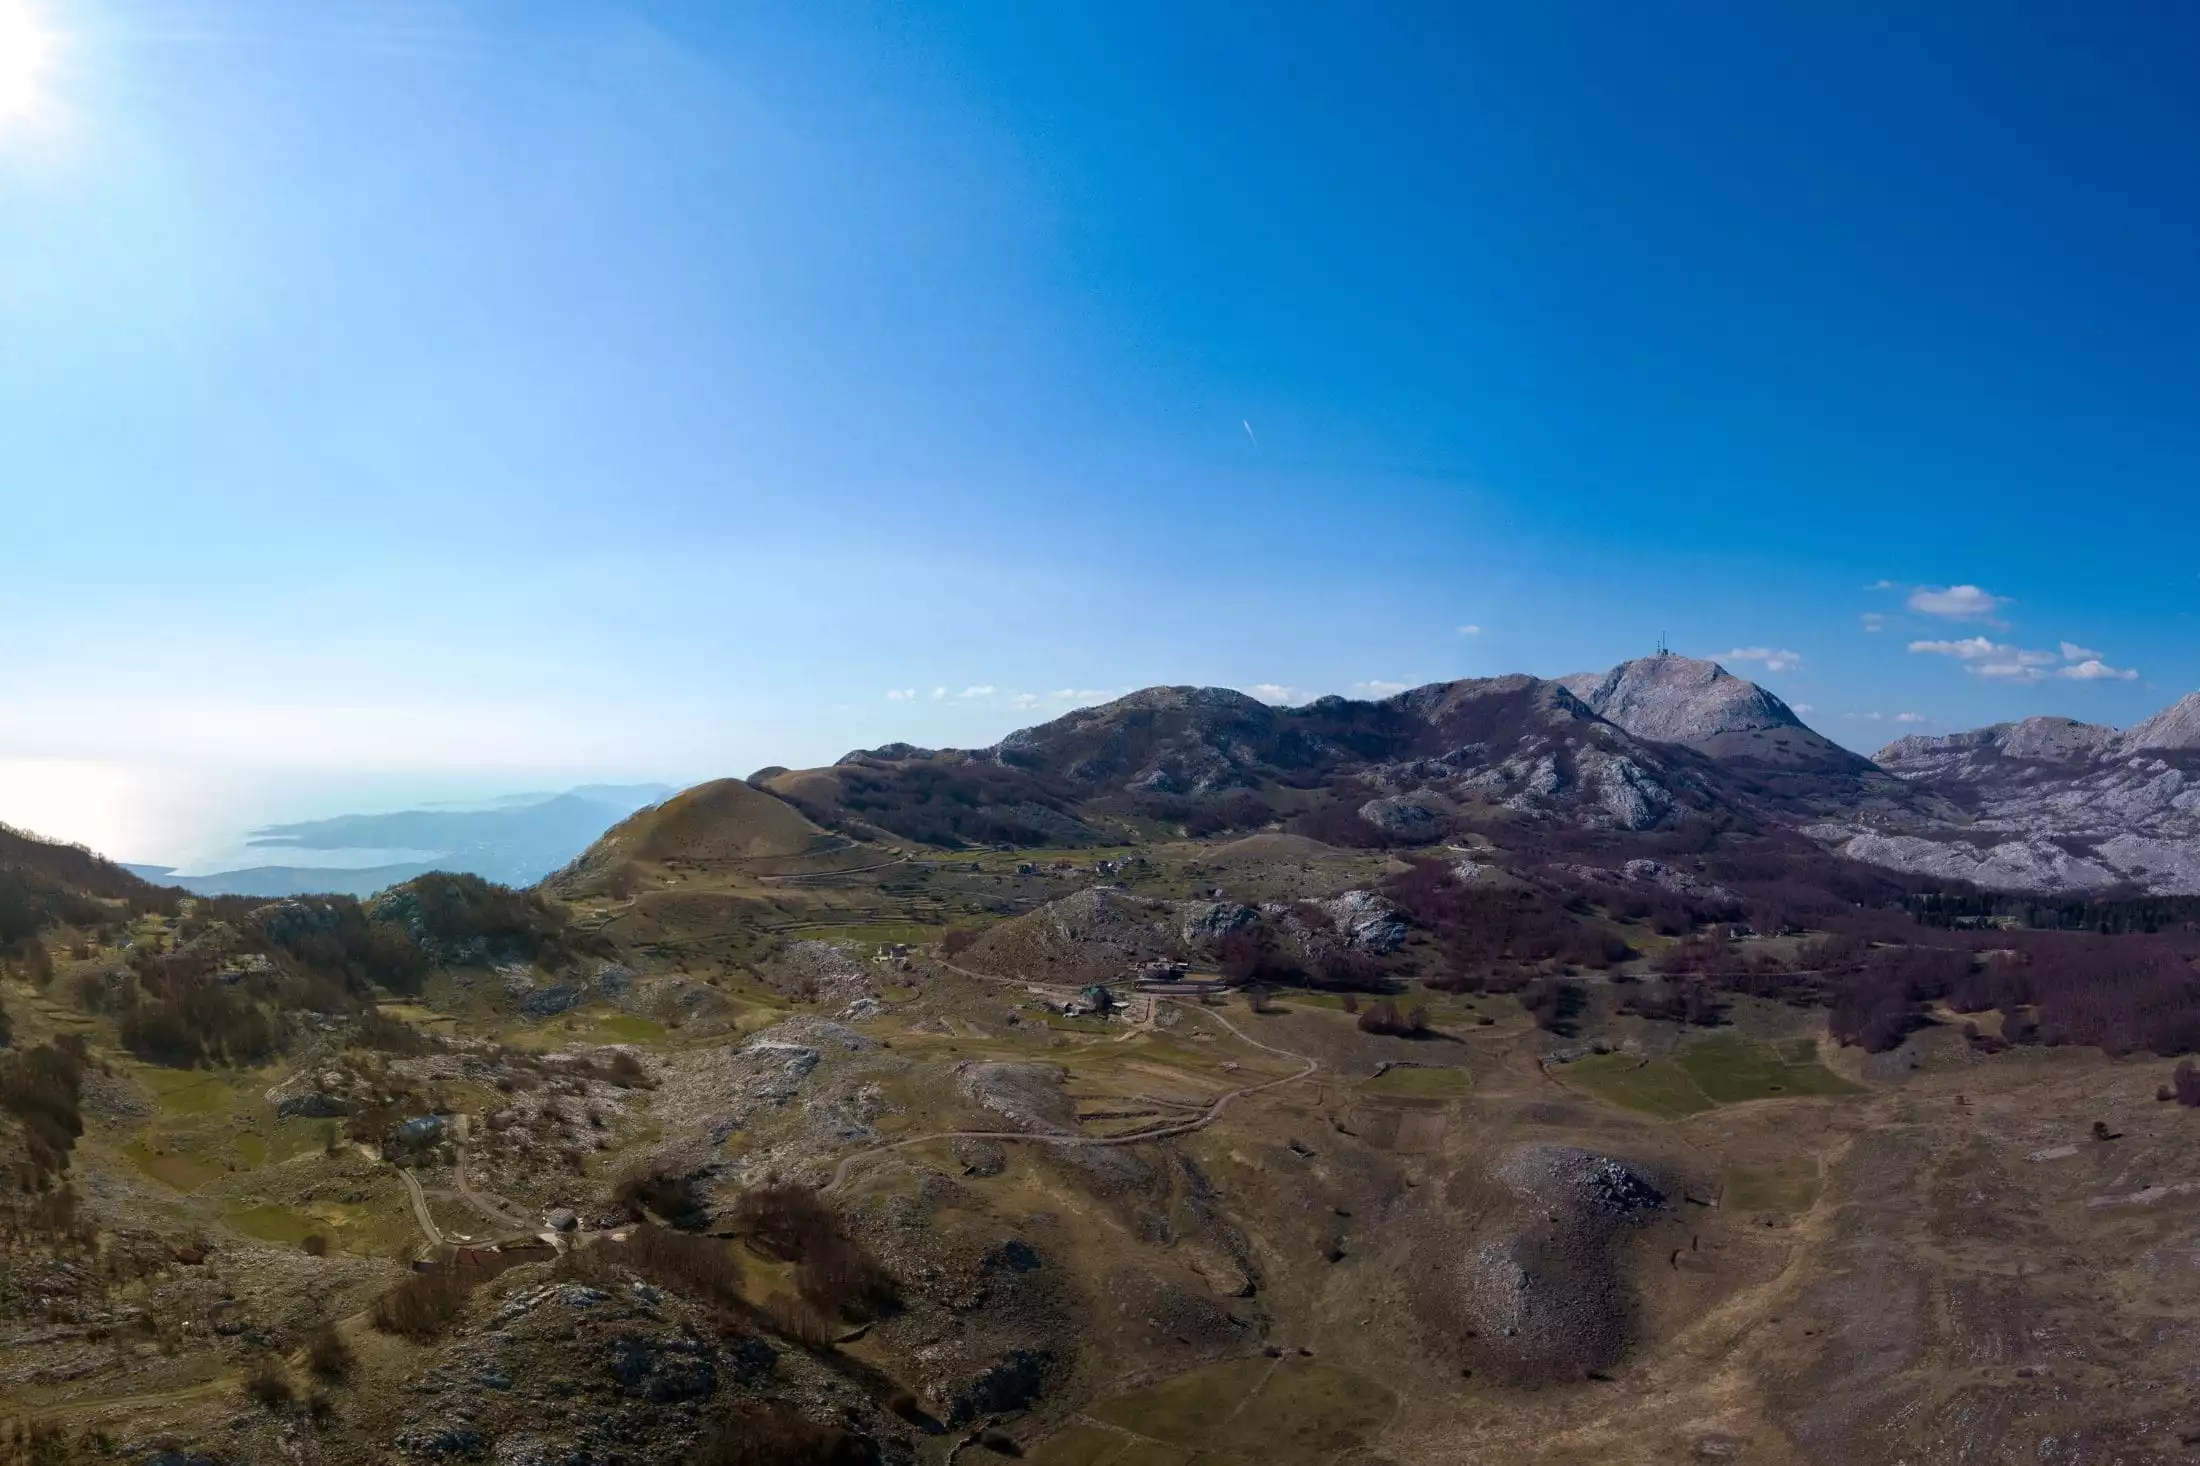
[[834, 1272], [1384, 1017], [1496, 939], [42, 1087], [952, 804]]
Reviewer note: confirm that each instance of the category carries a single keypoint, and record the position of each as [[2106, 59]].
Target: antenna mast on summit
[[1663, 649]]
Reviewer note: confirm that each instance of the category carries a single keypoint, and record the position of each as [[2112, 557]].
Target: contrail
[[1249, 432]]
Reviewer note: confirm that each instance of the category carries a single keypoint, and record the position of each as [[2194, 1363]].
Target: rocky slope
[[2050, 806]]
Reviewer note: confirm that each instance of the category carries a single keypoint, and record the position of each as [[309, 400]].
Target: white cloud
[[2072, 652], [2007, 671], [1957, 602], [1023, 701], [1376, 687], [1882, 585], [1082, 695], [1864, 717], [1992, 660], [1275, 692], [985, 691], [900, 694], [1774, 660], [1970, 649], [1911, 718], [2092, 669], [938, 693], [1470, 631], [1875, 621], [1800, 707]]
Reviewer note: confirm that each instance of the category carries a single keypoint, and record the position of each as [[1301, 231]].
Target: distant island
[[514, 839]]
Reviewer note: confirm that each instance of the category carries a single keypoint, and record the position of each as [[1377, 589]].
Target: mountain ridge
[[2051, 805], [1650, 745], [1428, 763]]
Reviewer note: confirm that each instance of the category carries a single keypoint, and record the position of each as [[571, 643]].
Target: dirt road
[[503, 1214], [428, 1228]]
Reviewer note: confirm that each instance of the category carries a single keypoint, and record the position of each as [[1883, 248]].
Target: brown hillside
[[724, 820], [721, 820], [56, 866]]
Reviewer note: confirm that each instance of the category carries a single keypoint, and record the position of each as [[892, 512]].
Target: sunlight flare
[[26, 56]]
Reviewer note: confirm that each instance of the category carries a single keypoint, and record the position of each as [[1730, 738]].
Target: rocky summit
[[1675, 699]]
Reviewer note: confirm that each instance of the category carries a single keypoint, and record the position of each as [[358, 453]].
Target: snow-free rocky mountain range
[[2043, 806]]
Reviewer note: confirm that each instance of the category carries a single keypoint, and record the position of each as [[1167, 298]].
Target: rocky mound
[[1095, 935], [1275, 847], [1030, 1097], [1542, 1285], [821, 972], [608, 1367], [1024, 1096]]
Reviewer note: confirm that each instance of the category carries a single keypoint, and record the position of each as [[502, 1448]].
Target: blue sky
[[409, 400]]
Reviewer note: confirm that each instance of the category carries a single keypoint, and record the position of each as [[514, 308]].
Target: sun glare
[[26, 54]]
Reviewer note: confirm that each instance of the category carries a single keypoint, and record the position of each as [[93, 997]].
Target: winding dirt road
[[428, 1228], [499, 1212], [502, 1215]]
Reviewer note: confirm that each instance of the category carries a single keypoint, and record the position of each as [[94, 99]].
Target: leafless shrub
[[672, 1197], [378, 1030], [1385, 1018], [422, 1306], [772, 1435], [796, 1321], [697, 1267], [328, 1355], [839, 1277], [268, 1386], [783, 1219]]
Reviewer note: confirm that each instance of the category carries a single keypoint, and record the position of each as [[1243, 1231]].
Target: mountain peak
[[1676, 699], [2174, 727]]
